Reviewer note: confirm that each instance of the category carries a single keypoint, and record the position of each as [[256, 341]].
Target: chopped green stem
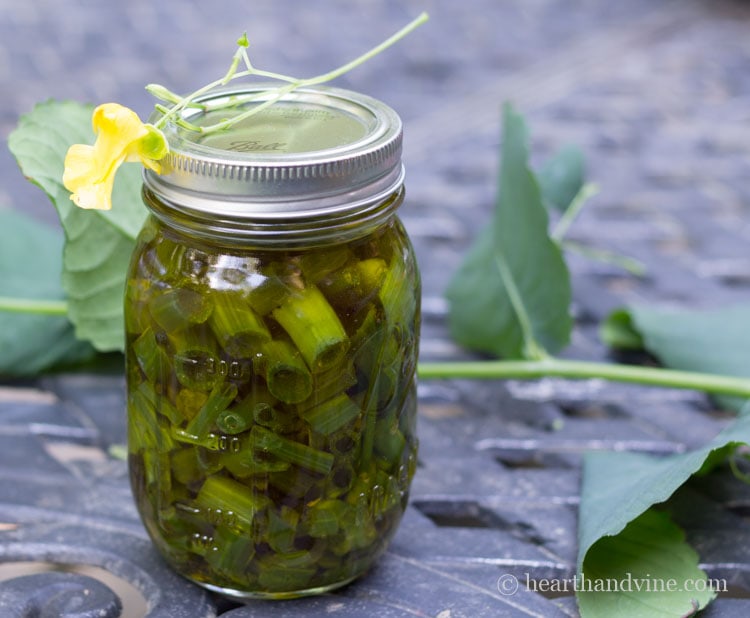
[[331, 415], [322, 519], [268, 416], [649, 376], [194, 359], [236, 552], [31, 305], [389, 441], [221, 396], [179, 307], [293, 452], [151, 357], [286, 374], [314, 327], [160, 404], [236, 326], [232, 422], [223, 494]]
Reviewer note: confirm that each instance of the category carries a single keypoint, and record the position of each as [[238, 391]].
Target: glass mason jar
[[272, 316]]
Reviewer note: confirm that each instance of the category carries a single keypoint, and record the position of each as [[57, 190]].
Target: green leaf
[[511, 295], [617, 331], [561, 177], [30, 264], [618, 488], [716, 341], [647, 571], [98, 243]]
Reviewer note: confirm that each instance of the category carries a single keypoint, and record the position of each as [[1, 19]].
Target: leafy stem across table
[[564, 368]]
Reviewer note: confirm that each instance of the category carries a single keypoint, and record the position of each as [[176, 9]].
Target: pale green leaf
[[511, 295], [98, 243], [30, 265], [648, 570], [618, 488]]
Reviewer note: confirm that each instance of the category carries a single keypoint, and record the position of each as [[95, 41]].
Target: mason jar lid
[[315, 152]]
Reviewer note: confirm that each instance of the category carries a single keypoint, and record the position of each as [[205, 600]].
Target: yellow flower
[[120, 136]]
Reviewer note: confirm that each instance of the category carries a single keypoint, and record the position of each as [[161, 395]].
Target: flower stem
[[650, 376], [188, 100], [38, 307], [326, 77], [275, 93], [278, 93]]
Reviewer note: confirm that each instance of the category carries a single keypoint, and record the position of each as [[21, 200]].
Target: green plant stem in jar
[[281, 480], [272, 320]]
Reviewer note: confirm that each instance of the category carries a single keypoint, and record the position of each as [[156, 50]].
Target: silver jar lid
[[315, 152]]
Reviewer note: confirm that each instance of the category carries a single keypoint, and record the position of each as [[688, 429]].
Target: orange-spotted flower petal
[[120, 136]]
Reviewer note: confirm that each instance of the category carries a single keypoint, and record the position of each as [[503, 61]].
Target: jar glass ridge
[[272, 323]]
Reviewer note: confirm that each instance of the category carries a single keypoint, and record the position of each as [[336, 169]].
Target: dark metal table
[[657, 93]]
